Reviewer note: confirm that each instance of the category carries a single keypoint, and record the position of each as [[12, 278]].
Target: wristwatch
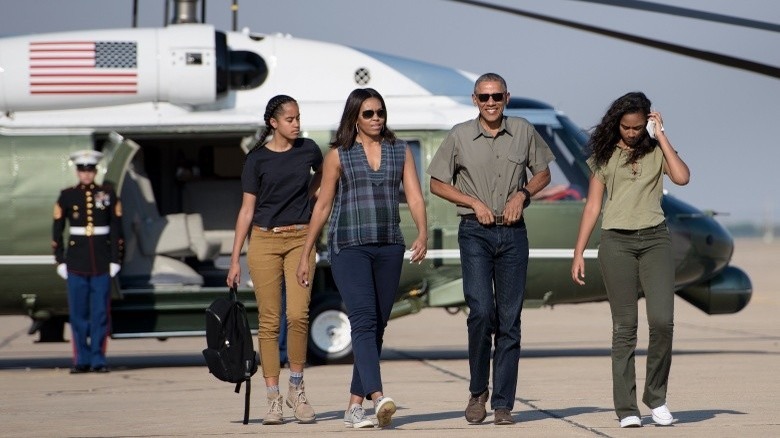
[[527, 194]]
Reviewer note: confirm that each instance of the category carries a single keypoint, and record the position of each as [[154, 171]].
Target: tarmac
[[724, 380]]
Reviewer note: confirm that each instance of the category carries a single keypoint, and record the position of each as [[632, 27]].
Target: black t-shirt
[[280, 181]]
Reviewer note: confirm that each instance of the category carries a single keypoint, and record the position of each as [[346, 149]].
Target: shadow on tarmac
[[702, 415], [411, 354], [127, 362]]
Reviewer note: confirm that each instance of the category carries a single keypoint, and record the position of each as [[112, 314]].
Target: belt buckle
[[500, 219], [276, 230]]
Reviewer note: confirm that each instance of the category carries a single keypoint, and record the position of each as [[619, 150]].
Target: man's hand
[[62, 271], [513, 210], [113, 269], [484, 214]]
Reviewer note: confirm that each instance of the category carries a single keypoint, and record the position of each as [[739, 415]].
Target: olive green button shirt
[[633, 192], [491, 169]]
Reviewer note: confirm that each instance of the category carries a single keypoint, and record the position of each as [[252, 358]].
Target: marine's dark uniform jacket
[[95, 215]]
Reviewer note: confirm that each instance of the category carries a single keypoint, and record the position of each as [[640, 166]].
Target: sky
[[721, 120]]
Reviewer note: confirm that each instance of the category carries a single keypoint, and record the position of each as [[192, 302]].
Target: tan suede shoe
[[296, 399]]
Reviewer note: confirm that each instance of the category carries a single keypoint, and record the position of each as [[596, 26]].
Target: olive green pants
[[273, 259], [635, 261]]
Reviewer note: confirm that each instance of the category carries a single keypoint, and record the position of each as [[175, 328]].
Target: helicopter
[[175, 109]]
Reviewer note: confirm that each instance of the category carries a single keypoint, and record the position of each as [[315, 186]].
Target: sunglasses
[[497, 97], [369, 114]]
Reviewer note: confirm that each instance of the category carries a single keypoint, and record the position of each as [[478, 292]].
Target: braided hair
[[607, 133], [272, 110]]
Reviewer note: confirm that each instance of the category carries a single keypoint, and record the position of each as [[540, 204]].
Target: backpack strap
[[246, 399]]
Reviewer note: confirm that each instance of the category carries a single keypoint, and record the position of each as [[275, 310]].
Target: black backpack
[[230, 355]]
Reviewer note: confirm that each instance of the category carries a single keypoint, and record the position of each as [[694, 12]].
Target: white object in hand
[[62, 271], [651, 128], [113, 269]]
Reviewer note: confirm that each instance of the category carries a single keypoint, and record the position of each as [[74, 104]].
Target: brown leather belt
[[499, 220], [285, 228]]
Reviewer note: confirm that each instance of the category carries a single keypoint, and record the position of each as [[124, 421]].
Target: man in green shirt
[[481, 168]]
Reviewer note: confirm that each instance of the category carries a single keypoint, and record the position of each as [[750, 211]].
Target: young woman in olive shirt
[[635, 252]]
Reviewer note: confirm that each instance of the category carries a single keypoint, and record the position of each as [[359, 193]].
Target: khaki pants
[[273, 259], [631, 260]]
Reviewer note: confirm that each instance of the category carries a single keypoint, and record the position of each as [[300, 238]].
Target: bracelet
[[527, 194]]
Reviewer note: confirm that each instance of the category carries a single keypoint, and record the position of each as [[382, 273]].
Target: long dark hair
[[272, 110], [606, 134], [347, 131]]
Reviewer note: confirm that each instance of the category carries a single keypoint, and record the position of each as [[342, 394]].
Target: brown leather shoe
[[475, 410], [79, 369], [503, 417]]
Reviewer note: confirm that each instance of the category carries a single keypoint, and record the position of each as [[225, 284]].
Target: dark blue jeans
[[367, 277], [88, 304], [494, 260]]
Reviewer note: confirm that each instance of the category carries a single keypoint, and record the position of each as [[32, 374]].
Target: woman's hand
[[419, 249], [659, 123], [303, 271], [234, 274], [578, 270]]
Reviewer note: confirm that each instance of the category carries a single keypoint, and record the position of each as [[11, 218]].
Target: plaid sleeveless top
[[365, 209]]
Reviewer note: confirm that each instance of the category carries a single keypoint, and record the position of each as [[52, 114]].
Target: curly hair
[[607, 133], [272, 110], [347, 131]]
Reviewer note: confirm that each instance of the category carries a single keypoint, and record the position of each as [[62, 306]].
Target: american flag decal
[[83, 67]]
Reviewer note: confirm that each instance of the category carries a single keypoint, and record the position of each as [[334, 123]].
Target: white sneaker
[[355, 418], [384, 410], [631, 421], [662, 416]]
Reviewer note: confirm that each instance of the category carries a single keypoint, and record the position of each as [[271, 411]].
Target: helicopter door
[[119, 152]]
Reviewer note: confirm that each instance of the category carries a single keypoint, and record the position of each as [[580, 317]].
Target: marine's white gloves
[[62, 271], [113, 269]]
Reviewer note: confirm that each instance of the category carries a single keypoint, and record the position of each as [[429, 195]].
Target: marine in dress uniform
[[88, 259]]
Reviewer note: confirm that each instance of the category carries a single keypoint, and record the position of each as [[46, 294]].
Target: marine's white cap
[[86, 157]]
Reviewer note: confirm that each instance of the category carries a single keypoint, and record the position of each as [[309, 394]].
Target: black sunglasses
[[497, 97], [368, 114]]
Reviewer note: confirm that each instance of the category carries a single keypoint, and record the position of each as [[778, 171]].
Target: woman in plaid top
[[361, 182]]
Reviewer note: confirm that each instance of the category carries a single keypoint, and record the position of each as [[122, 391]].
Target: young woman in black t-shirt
[[280, 178]]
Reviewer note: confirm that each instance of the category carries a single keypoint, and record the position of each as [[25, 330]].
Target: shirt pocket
[[516, 168]]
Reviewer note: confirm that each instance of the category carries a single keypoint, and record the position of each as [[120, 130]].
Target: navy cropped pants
[[367, 277]]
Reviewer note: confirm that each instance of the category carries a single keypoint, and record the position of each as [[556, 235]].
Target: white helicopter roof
[[168, 96]]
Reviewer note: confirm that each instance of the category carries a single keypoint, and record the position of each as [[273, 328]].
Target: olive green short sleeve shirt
[[491, 169], [633, 192]]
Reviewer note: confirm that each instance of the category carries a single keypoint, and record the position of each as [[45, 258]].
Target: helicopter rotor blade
[[688, 13], [717, 58]]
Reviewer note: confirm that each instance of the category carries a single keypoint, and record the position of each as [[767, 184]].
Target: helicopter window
[[568, 179], [414, 146], [247, 70]]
